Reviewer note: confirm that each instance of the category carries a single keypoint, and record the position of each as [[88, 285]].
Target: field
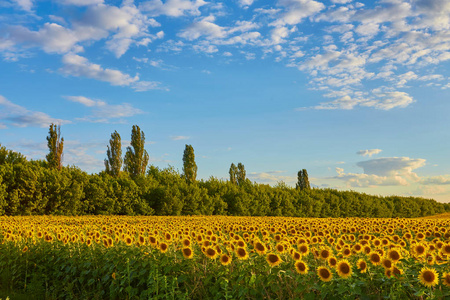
[[217, 257]]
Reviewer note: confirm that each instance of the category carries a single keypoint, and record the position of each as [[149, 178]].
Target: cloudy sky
[[356, 92]]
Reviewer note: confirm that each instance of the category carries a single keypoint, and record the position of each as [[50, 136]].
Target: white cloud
[[19, 116], [179, 137], [368, 152], [80, 2], [172, 8], [205, 27], [26, 5], [439, 180], [102, 111], [387, 171], [245, 3], [296, 11], [79, 66]]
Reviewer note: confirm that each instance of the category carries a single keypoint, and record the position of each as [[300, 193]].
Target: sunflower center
[[428, 276]]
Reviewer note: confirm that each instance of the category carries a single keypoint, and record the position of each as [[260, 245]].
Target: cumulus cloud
[[172, 8], [102, 111], [438, 180], [383, 171], [125, 26], [296, 11], [18, 116], [368, 152], [26, 5], [76, 65]]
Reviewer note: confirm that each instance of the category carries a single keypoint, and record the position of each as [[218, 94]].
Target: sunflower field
[[220, 257]]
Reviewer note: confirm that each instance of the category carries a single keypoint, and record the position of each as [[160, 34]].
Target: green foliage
[[189, 165], [31, 188], [303, 180], [55, 145], [136, 157], [113, 163], [233, 171]]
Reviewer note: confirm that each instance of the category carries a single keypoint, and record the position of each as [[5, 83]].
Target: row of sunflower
[[224, 257]]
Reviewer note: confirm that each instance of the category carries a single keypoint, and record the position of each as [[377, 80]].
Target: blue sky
[[355, 92]]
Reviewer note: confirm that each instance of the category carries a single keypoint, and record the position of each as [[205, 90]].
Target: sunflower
[[225, 259], [211, 253], [301, 267], [344, 269], [419, 249], [273, 259], [187, 252], [346, 252], [259, 247], [397, 272], [445, 249], [394, 255], [324, 274], [324, 254], [375, 258], [128, 240], [387, 263], [296, 255], [388, 273], [303, 249], [361, 265], [446, 279], [428, 277], [186, 242], [163, 247], [242, 253], [332, 261], [141, 240], [25, 249], [280, 248], [153, 241]]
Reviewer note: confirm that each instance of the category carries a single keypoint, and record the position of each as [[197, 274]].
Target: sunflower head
[[361, 264], [225, 259], [446, 279], [428, 277], [241, 253], [187, 252], [375, 258], [301, 267], [332, 261], [344, 269], [324, 274], [273, 259]]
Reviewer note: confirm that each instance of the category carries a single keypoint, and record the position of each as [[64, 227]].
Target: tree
[[189, 165], [240, 175], [136, 157], [55, 145], [233, 172], [114, 161], [302, 180]]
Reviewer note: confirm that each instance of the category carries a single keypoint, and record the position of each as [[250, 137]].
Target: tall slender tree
[[302, 180], [55, 145], [136, 157], [233, 172], [241, 174], [113, 163], [189, 165]]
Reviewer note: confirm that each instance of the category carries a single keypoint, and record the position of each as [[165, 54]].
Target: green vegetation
[[36, 188]]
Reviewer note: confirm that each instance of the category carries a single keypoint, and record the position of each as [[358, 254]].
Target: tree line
[[128, 186]]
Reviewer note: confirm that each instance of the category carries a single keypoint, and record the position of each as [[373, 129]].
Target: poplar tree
[[233, 173], [240, 175], [302, 180], [136, 157], [189, 165], [55, 145], [113, 163]]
